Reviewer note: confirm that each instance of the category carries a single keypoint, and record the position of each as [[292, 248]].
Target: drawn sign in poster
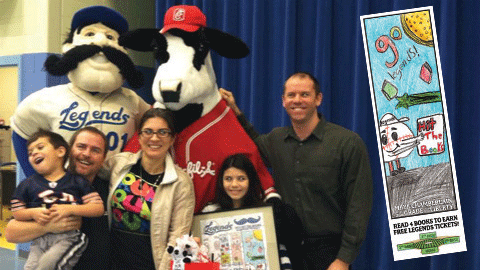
[[413, 133], [240, 239]]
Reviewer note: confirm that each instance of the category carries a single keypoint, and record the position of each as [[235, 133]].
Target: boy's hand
[[42, 215], [61, 210]]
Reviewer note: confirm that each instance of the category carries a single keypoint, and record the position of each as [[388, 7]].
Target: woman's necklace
[[146, 186]]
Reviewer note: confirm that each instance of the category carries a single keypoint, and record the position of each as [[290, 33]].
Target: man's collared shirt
[[326, 177]]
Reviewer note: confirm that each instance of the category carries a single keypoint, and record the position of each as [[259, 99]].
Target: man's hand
[[338, 265], [41, 215], [25, 231], [230, 99], [64, 224]]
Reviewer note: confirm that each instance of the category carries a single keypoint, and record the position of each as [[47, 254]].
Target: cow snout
[[170, 90]]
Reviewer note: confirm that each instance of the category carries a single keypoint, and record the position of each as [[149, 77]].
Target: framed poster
[[239, 239], [413, 133]]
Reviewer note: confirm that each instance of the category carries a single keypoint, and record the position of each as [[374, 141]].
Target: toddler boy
[[52, 193]]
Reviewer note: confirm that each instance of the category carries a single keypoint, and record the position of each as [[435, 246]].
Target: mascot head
[[395, 137], [92, 58], [185, 78], [185, 251]]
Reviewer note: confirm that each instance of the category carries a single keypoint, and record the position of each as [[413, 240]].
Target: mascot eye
[[394, 136], [384, 139], [200, 55], [110, 37], [159, 48], [161, 55], [90, 34]]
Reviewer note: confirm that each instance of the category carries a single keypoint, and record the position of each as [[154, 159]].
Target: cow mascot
[[185, 83], [96, 66]]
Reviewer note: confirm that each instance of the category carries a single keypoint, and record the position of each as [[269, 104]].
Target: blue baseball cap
[[100, 14]]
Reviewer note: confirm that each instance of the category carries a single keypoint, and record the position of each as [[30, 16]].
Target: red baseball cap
[[187, 18]]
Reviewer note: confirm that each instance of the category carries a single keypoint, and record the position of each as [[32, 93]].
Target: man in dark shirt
[[88, 148], [322, 170]]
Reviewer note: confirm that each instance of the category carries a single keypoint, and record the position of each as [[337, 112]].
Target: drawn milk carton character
[[397, 141]]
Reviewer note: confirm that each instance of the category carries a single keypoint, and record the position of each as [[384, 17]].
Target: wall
[[24, 26], [9, 89], [39, 26]]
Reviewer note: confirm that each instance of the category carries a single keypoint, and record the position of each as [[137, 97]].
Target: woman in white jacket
[[151, 200]]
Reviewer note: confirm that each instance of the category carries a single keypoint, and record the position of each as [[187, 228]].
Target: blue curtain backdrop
[[325, 38]]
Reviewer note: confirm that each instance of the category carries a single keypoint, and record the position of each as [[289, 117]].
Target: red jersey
[[201, 148]]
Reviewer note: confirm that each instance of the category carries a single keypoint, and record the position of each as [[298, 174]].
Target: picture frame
[[239, 239]]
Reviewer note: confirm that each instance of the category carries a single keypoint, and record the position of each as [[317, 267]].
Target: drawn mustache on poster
[[59, 66]]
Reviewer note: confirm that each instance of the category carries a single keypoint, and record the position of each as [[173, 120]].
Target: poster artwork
[[413, 133], [236, 242]]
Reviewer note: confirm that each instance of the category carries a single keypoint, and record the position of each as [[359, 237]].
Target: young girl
[[238, 186]]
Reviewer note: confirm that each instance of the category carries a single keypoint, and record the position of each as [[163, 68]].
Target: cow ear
[[140, 39], [225, 44]]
